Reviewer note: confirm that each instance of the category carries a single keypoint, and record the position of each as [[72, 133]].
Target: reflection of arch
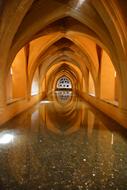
[[64, 96], [63, 83], [62, 111]]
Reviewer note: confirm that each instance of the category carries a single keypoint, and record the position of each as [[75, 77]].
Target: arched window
[[64, 83]]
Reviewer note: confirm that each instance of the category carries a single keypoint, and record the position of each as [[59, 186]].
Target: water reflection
[[6, 138], [63, 144], [63, 96]]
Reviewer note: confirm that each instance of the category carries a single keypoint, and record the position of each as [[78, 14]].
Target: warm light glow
[[6, 138], [92, 94], [45, 102], [79, 4], [115, 74], [112, 140], [91, 85], [11, 71], [35, 88], [35, 84]]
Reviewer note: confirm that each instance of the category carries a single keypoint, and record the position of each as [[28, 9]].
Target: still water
[[63, 143]]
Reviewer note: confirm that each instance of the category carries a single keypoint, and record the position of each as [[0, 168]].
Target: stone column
[[123, 87], [2, 92]]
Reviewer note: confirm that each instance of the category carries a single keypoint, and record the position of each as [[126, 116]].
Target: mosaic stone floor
[[63, 143]]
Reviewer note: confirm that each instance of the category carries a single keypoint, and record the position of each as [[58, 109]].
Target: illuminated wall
[[35, 84], [16, 86], [91, 85], [108, 74]]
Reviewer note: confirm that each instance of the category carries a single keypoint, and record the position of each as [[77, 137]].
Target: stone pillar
[[123, 87], [123, 97], [2, 92], [97, 88], [28, 95]]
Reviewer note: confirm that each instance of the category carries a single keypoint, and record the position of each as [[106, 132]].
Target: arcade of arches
[[63, 94], [84, 41]]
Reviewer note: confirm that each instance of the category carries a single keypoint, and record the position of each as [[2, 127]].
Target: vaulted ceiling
[[69, 34]]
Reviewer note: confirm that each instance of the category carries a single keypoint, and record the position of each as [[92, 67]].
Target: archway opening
[[16, 83], [109, 84]]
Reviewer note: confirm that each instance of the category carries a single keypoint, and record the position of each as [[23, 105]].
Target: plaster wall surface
[[9, 85], [107, 78], [19, 75], [91, 85]]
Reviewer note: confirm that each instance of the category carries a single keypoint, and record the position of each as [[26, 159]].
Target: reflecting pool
[[63, 143]]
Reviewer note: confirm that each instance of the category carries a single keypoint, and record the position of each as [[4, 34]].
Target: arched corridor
[[58, 58]]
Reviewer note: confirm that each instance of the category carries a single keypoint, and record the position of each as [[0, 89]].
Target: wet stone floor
[[63, 143]]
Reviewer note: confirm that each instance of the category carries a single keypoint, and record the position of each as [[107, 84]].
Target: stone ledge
[[112, 111]]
